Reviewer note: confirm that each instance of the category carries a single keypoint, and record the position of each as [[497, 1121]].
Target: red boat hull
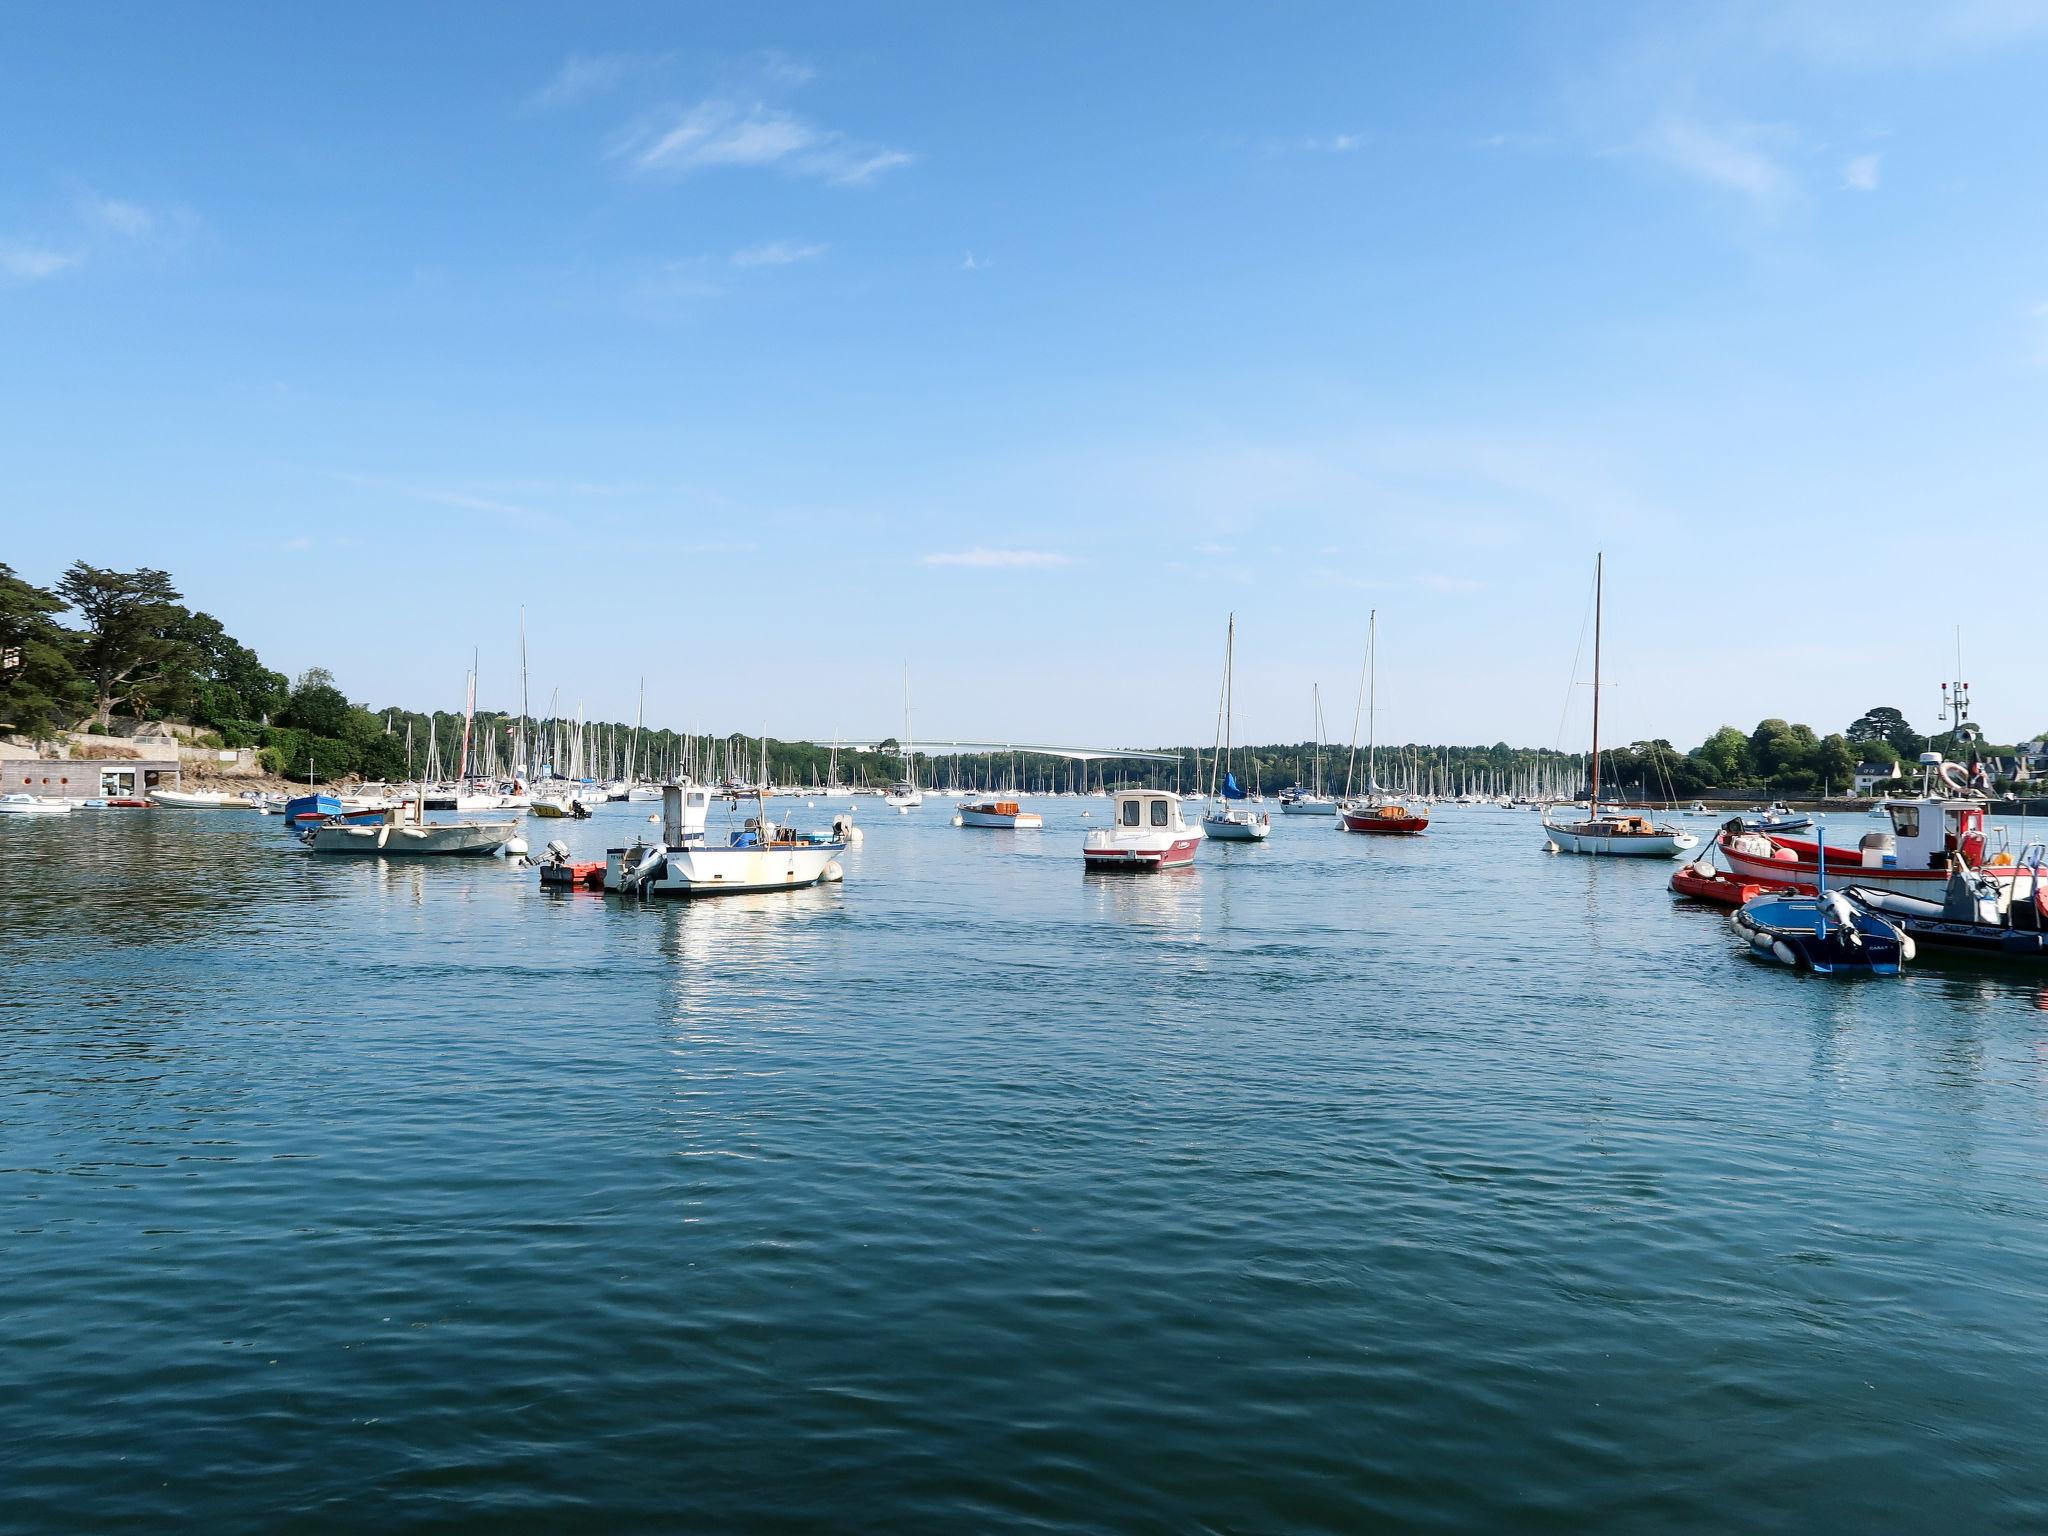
[[1178, 856], [1366, 822], [1715, 887]]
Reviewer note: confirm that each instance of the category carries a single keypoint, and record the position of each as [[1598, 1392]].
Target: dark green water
[[1338, 1185]]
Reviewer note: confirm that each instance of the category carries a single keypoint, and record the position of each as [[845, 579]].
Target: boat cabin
[[684, 808], [1148, 810], [1925, 832]]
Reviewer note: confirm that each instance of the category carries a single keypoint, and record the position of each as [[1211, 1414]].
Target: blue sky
[[756, 349]]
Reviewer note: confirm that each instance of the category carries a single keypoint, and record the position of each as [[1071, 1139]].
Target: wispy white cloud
[[778, 253], [974, 264], [720, 132], [1736, 157], [1861, 172], [91, 226], [999, 559], [587, 76], [130, 220], [32, 263]]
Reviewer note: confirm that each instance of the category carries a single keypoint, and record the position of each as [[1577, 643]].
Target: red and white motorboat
[[1912, 857], [1005, 814], [1147, 833]]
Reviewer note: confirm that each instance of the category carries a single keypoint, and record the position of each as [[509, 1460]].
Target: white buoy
[[833, 873], [515, 848]]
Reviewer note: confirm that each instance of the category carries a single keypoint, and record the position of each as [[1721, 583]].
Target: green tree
[[1883, 723], [316, 705], [127, 643], [1724, 757], [227, 685], [40, 690], [1835, 762]]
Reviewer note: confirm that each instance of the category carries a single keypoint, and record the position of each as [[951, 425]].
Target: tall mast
[[468, 714], [1599, 589], [525, 765], [1372, 706]]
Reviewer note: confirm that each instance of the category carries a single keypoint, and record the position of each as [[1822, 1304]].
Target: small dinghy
[[1999, 919], [1700, 881], [1825, 933]]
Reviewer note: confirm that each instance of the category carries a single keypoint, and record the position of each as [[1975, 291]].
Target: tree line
[[105, 644]]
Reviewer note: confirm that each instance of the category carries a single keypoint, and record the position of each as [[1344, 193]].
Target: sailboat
[[1375, 812], [1221, 819], [1615, 835], [1296, 801], [904, 795]]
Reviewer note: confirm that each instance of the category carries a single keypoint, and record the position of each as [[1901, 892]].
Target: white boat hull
[[475, 839], [708, 871], [199, 800], [1309, 807], [1635, 845], [1237, 829], [25, 805], [1023, 821]]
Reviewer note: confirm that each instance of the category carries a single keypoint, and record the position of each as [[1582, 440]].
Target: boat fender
[[1907, 949], [1784, 952], [959, 821], [834, 872]]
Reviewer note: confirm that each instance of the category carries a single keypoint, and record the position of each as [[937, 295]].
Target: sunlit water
[[1337, 1184]]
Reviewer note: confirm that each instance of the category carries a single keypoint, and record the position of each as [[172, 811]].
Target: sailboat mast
[[1372, 706], [1599, 589]]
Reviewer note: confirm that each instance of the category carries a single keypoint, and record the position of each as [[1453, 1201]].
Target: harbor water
[[1337, 1184]]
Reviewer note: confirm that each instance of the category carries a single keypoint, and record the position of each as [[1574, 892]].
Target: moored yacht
[[1612, 834], [1147, 833]]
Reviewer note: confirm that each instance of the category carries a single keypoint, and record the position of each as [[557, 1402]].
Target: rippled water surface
[[1336, 1185]]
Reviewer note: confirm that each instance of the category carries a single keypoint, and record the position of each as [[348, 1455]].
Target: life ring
[[1953, 775]]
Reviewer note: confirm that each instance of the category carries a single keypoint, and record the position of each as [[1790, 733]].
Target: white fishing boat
[[758, 856], [201, 800], [1146, 834], [31, 805], [1225, 818], [1611, 834]]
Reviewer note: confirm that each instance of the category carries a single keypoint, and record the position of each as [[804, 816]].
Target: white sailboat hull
[[1309, 806], [1661, 844]]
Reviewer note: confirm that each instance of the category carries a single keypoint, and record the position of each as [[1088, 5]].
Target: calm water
[[1339, 1184]]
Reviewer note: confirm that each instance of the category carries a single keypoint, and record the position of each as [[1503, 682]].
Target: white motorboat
[[903, 797], [201, 800], [30, 805], [757, 857], [1225, 818], [1004, 814], [1147, 833], [407, 834]]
